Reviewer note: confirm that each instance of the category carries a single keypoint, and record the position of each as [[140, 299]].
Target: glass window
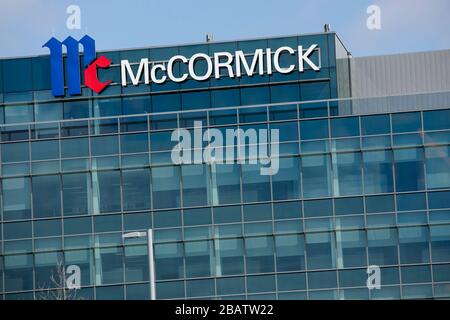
[[265, 283], [284, 93], [169, 261], [192, 217], [106, 191], [48, 270], [286, 182], [138, 292], [76, 109], [291, 281], [16, 198], [18, 272], [320, 250], [225, 179], [440, 242], [199, 259], [259, 254], [136, 105], [290, 252], [14, 152], [107, 223], [230, 285], [227, 214], [17, 230], [411, 201], [166, 102], [287, 210], [255, 186], [409, 170], [104, 145], [351, 248], [316, 176], [46, 196], [167, 218], [225, 98], [76, 192], [200, 288], [136, 263], [347, 206], [345, 127], [406, 122], [382, 246], [257, 212], [322, 280], [255, 95], [137, 221], [110, 265], [438, 167], [47, 228], [378, 172], [414, 245], [19, 114], [383, 203], [436, 120], [43, 150], [83, 259], [166, 187], [379, 124], [136, 189], [349, 175], [19, 75], [318, 208], [77, 225], [71, 148], [133, 143], [196, 185], [230, 256], [314, 129], [160, 141]]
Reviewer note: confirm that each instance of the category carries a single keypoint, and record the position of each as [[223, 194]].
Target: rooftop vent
[[327, 27], [209, 37]]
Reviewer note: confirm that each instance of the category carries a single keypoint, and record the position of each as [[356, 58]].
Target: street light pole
[[151, 264], [151, 257]]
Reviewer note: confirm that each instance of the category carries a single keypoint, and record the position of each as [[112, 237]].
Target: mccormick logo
[[90, 65]]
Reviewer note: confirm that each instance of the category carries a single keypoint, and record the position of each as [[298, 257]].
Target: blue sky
[[406, 25]]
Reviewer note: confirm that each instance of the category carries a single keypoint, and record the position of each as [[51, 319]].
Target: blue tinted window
[[349, 174], [259, 254], [136, 105], [313, 129], [409, 170], [316, 172], [18, 72], [290, 252], [16, 198], [136, 189], [109, 190], [436, 120], [225, 98], [378, 172], [286, 182], [344, 127], [46, 196], [227, 180], [104, 145], [284, 93], [320, 250], [166, 102], [406, 122], [76, 109], [133, 143], [166, 187], [255, 187], [379, 124], [255, 95], [76, 190], [196, 185], [14, 152]]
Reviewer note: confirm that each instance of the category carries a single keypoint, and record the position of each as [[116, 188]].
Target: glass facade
[[352, 191]]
